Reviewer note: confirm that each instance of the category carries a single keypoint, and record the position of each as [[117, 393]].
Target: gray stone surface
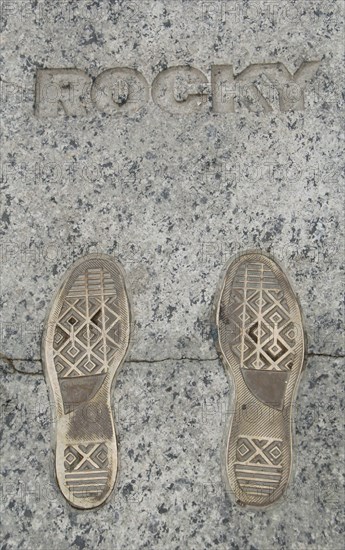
[[173, 197], [171, 417]]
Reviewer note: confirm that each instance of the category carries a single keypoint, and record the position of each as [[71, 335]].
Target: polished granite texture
[[173, 197]]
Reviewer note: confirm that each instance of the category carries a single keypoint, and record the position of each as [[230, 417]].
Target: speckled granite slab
[[172, 196], [171, 417], [173, 189]]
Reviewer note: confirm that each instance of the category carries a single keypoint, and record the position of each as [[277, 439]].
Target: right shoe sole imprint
[[85, 341], [262, 343]]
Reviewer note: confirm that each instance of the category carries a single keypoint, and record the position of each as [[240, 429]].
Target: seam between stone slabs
[[11, 361], [312, 354]]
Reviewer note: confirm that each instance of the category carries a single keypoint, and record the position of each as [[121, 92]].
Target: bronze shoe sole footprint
[[261, 340], [85, 341]]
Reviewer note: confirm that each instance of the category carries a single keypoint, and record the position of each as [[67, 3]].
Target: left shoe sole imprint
[[85, 341]]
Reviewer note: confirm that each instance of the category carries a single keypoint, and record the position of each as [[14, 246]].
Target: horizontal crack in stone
[[11, 361]]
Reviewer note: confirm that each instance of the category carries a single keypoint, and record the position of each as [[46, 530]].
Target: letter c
[[181, 90]]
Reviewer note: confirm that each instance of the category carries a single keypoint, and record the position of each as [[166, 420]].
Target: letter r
[[62, 91]]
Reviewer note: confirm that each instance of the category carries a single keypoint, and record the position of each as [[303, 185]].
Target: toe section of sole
[[87, 331], [258, 317]]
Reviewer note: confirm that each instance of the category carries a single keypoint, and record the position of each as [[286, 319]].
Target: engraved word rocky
[[178, 90]]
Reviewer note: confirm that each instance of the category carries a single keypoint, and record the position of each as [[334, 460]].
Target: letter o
[[120, 90]]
